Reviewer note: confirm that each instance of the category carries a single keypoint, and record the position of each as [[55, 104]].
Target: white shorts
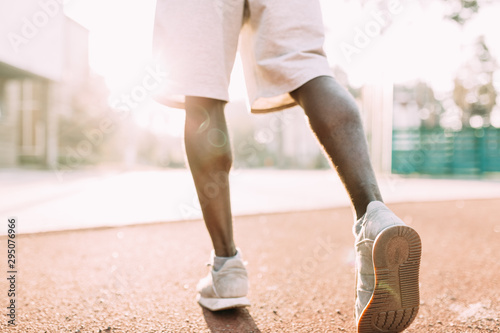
[[281, 46]]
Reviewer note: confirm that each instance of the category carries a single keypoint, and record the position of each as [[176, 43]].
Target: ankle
[[362, 208], [225, 251]]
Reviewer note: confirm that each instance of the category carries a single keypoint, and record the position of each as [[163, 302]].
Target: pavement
[[94, 254], [104, 197], [141, 278]]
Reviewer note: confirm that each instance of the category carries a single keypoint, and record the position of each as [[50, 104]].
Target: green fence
[[442, 152]]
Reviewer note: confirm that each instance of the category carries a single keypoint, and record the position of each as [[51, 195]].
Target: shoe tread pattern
[[395, 301]]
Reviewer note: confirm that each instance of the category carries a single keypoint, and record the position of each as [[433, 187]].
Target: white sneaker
[[226, 288], [387, 264]]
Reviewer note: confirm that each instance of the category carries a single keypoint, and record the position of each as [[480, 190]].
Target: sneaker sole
[[218, 304], [395, 300]]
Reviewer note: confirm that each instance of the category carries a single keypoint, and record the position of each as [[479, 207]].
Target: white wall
[[32, 36]]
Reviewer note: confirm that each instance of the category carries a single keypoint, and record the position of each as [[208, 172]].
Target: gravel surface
[[143, 278]]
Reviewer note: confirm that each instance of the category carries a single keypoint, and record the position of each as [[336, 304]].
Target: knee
[[201, 110], [327, 103], [206, 136], [342, 116]]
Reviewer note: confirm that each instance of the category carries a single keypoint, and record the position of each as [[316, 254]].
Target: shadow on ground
[[233, 320]]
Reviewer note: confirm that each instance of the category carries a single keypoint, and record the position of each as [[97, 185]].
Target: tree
[[463, 10], [474, 91]]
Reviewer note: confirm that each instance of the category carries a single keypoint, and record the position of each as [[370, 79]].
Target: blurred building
[[43, 65], [274, 140]]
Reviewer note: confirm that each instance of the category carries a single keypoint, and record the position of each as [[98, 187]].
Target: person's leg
[[387, 251], [335, 119], [209, 155]]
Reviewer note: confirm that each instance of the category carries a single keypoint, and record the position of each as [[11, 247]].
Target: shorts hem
[[275, 103]]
